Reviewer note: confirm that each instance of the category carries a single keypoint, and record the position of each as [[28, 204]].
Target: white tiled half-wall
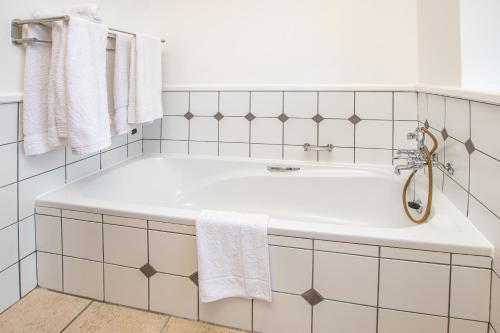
[[23, 178]]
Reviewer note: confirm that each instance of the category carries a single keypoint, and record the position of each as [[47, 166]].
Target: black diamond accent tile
[[426, 124], [283, 117], [194, 278], [312, 297], [188, 115], [469, 146], [250, 116], [148, 270], [318, 118], [354, 119], [444, 134], [218, 116]]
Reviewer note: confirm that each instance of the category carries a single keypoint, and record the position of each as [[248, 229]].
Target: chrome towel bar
[[310, 147]]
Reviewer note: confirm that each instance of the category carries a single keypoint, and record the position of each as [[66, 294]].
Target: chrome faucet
[[416, 158]]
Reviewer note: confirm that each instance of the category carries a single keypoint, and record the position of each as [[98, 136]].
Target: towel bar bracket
[[310, 147]]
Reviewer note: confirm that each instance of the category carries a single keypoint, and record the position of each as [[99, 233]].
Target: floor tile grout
[[76, 317]]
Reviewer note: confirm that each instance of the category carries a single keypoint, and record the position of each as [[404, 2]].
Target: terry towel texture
[[233, 256], [120, 90], [145, 104]]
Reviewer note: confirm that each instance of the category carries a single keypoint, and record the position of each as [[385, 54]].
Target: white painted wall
[[439, 42], [480, 31], [287, 42], [259, 42]]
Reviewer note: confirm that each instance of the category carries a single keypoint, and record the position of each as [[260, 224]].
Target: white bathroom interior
[[215, 166]]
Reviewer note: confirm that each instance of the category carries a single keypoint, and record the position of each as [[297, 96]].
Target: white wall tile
[[83, 168], [125, 221], [458, 156], [203, 148], [297, 153], [234, 103], [86, 216], [347, 248], [204, 103], [30, 188], [286, 313], [8, 126], [414, 286], [151, 146], [482, 185], [49, 267], [125, 245], [300, 131], [203, 129], [34, 165], [339, 155], [137, 136], [175, 128], [440, 141], [234, 129], [173, 253], [48, 233], [291, 269], [266, 130], [401, 128], [457, 195], [333, 104], [471, 260], [70, 157], [346, 277], [113, 157], [174, 147], [8, 167], [9, 287], [175, 102], [8, 205], [300, 104], [301, 243], [374, 105], [467, 326], [125, 286], [8, 246], [405, 106], [267, 103], [116, 141], [234, 149], [458, 118], [422, 107], [28, 274], [374, 134], [231, 312], [495, 302], [48, 211], [172, 227], [83, 278], [82, 239], [266, 151], [399, 321], [174, 295], [415, 255], [436, 111], [338, 132], [134, 149], [342, 317], [485, 128], [153, 130], [373, 156], [470, 292], [27, 243]]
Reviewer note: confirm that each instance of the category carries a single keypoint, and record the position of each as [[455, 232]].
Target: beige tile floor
[[44, 311]]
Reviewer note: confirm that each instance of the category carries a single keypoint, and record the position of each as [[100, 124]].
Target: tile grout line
[[76, 317]]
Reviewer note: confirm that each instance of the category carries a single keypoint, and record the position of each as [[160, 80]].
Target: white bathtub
[[347, 203]]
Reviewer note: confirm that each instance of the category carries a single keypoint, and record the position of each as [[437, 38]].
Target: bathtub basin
[[347, 203]]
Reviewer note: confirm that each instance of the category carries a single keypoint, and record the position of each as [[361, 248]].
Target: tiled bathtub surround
[[362, 126], [21, 180], [318, 286]]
